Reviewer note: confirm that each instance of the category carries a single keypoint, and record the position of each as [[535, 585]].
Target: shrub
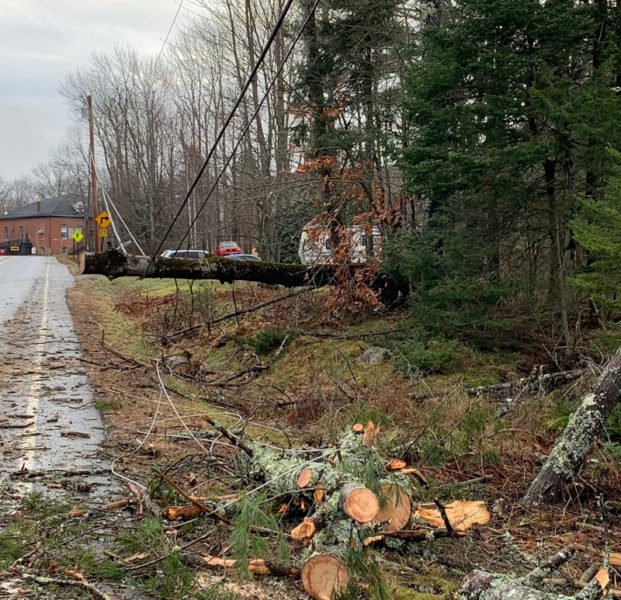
[[268, 339]]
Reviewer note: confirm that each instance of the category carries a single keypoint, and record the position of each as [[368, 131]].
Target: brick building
[[48, 225]]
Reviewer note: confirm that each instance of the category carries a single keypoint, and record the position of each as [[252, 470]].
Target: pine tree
[[598, 229], [509, 114]]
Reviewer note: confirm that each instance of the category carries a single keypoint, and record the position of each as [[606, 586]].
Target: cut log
[[583, 428], [357, 427], [113, 264], [395, 508], [324, 576], [358, 502], [307, 528], [305, 478]]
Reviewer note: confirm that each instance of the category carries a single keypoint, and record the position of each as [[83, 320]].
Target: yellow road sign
[[14, 248], [103, 218], [103, 232], [77, 236]]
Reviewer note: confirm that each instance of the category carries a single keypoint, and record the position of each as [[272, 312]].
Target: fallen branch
[[192, 499], [67, 582], [255, 566], [584, 427], [544, 381], [237, 313], [480, 585]]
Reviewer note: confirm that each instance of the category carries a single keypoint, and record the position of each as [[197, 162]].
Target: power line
[[250, 120], [224, 127], [157, 60]]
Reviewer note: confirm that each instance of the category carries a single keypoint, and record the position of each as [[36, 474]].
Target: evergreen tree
[[510, 114], [598, 229]]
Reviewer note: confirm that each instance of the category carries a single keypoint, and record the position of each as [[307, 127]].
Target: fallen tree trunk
[[583, 428], [113, 264], [480, 585]]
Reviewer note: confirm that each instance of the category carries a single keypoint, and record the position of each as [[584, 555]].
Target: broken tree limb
[[583, 428], [256, 566], [480, 585], [545, 381], [113, 264]]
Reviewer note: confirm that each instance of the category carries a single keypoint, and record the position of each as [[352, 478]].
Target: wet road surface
[[49, 427]]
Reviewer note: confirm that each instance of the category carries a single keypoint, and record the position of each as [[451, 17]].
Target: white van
[[314, 245]]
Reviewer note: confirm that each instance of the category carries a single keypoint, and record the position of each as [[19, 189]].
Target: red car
[[226, 248]]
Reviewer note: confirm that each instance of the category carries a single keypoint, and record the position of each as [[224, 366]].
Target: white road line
[[35, 386]]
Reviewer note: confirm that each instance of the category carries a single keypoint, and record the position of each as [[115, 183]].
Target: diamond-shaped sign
[[103, 218], [78, 235]]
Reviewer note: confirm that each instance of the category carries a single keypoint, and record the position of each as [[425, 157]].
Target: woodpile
[[362, 500]]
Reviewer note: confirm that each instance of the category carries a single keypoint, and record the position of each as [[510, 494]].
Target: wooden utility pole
[[91, 132]]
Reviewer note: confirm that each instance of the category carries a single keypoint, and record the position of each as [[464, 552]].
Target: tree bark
[[582, 430], [113, 264], [480, 585]]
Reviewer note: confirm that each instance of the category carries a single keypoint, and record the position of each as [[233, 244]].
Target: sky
[[43, 40]]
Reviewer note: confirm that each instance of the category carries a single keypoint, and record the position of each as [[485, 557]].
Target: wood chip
[[603, 578], [319, 493], [370, 433], [395, 464], [462, 514]]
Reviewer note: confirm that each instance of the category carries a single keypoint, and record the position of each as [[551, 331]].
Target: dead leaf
[[75, 575], [463, 514]]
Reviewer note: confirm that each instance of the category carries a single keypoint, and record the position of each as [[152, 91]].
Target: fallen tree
[[350, 498], [583, 428], [480, 585], [113, 264]]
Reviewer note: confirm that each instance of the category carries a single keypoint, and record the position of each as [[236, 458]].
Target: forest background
[[481, 136]]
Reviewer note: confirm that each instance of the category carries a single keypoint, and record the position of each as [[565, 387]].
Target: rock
[[375, 355]]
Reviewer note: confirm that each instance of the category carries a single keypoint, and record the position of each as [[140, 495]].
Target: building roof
[[67, 205]]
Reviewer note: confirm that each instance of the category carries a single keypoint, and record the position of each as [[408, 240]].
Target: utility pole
[[91, 131]]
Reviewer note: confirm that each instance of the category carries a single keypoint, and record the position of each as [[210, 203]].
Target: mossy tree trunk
[[113, 264], [583, 428]]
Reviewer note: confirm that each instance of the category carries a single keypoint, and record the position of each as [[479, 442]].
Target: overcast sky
[[41, 41]]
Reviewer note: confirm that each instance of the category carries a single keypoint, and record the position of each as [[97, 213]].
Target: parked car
[[185, 254], [244, 257], [3, 251], [226, 248]]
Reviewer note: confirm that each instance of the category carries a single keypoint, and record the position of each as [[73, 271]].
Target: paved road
[[47, 422]]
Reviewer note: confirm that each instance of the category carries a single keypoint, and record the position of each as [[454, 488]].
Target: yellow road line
[[6, 260]]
